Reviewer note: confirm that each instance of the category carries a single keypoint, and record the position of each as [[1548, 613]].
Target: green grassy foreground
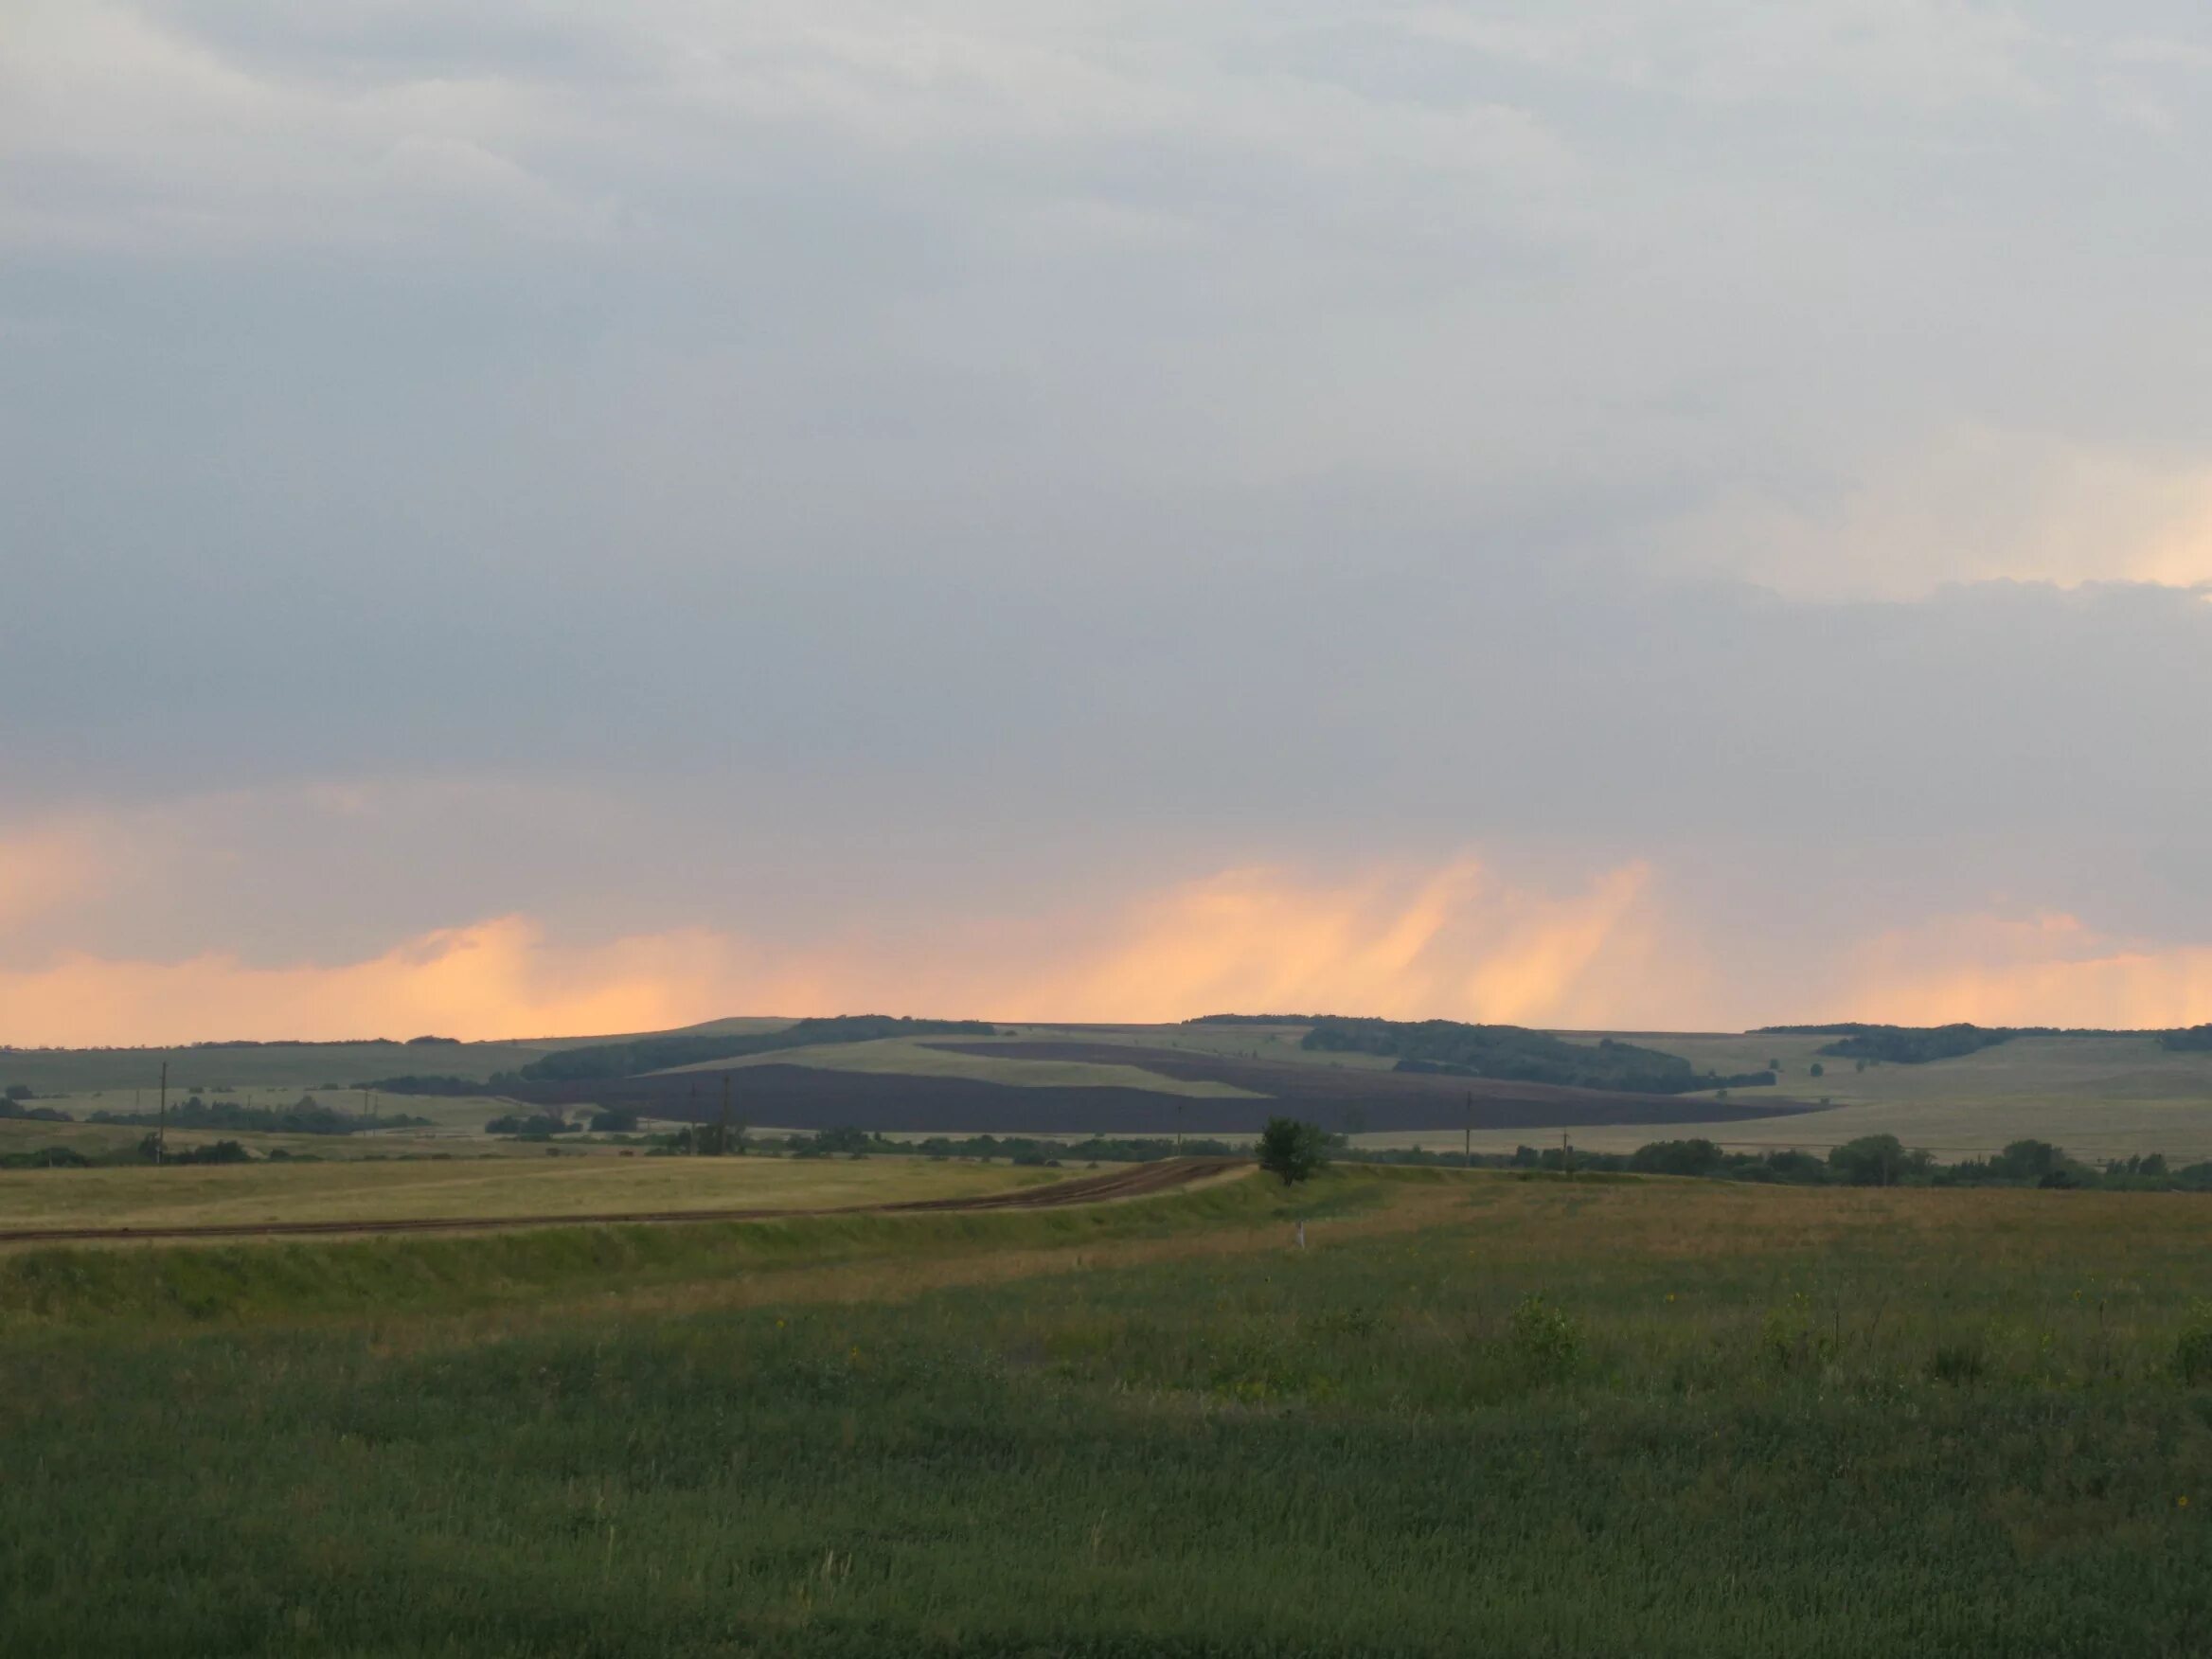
[[1478, 1415]]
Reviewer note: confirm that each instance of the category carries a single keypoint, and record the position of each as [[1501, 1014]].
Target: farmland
[[1478, 1413], [2099, 1097], [492, 1187]]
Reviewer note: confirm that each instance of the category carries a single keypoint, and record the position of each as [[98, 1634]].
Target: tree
[[1821, 1071], [1682, 1157], [1292, 1150], [1873, 1160], [19, 1091], [2028, 1160]]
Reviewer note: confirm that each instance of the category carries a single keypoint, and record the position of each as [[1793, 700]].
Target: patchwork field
[[2096, 1096], [1476, 1414]]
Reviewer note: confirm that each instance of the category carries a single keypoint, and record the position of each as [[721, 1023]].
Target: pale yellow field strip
[[913, 1057]]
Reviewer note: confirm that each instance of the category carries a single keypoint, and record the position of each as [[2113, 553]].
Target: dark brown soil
[[810, 1098]]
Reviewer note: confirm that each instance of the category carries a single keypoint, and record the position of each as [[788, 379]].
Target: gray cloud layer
[[800, 461]]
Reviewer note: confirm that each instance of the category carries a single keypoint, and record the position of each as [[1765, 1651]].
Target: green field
[[476, 1186], [1479, 1414]]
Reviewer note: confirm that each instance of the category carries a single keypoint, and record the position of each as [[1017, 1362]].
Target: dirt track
[[1135, 1181]]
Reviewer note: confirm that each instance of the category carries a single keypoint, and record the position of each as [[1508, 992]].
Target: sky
[[526, 519]]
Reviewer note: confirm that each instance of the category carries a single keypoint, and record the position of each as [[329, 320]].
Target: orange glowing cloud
[[496, 979], [2048, 971], [44, 870], [1455, 941]]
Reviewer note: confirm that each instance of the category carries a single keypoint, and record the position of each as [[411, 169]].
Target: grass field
[[2097, 1096], [493, 1187], [1479, 1414]]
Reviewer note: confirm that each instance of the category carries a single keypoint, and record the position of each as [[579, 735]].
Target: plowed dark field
[[796, 1097]]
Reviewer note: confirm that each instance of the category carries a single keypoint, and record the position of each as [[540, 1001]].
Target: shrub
[[1957, 1363], [1789, 1341], [222, 1152], [1547, 1340], [2192, 1350]]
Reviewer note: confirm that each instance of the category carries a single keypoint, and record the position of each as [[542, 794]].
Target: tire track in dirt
[[1138, 1181]]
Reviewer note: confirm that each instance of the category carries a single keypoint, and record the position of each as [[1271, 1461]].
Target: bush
[[2192, 1350], [45, 1158], [1957, 1363], [1547, 1340], [1789, 1342], [224, 1151]]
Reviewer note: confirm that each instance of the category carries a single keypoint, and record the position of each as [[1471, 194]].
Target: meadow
[[1478, 1413], [491, 1185]]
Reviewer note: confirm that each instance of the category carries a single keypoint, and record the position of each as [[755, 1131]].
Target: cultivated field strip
[[1138, 1181]]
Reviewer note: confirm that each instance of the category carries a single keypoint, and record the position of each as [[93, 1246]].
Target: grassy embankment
[[1740, 1421], [142, 1196]]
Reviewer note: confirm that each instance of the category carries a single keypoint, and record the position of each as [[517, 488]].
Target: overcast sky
[[556, 517]]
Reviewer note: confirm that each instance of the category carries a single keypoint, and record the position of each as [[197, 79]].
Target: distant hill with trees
[[640, 1055], [1511, 1053]]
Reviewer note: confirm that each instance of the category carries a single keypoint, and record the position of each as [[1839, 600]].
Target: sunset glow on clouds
[[1456, 942], [2049, 969], [1406, 945]]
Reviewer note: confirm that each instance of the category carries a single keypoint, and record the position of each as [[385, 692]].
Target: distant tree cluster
[[305, 1116], [1875, 1160], [1921, 1044], [1516, 1054], [533, 1126], [15, 1103]]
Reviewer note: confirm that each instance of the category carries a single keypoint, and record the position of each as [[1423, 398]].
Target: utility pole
[[1466, 1149], [725, 1114], [1566, 1155], [691, 1123], [161, 1122]]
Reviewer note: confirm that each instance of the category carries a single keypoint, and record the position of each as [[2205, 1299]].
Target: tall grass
[[1628, 1420]]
